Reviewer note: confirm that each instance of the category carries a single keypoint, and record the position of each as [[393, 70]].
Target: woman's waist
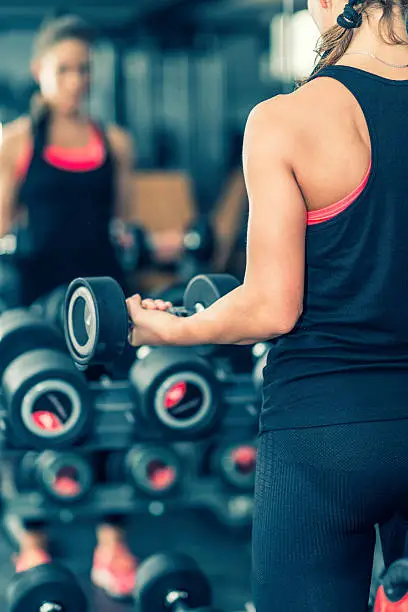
[[336, 375]]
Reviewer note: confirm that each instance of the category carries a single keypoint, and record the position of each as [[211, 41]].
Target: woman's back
[[349, 350]]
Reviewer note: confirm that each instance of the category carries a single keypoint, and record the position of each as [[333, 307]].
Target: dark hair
[[52, 32], [334, 43]]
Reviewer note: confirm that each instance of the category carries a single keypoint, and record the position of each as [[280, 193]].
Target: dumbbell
[[136, 255], [392, 595], [45, 588], [172, 582], [96, 320], [65, 477], [235, 463], [47, 399], [176, 391], [153, 470], [198, 246], [51, 306]]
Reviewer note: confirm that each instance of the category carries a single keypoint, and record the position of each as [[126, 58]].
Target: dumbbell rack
[[204, 494], [116, 427], [116, 424]]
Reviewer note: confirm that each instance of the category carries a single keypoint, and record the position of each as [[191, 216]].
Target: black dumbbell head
[[51, 306], [95, 321], [236, 463], [64, 477], [205, 289], [22, 331], [154, 470], [163, 574], [30, 590], [177, 391], [48, 400]]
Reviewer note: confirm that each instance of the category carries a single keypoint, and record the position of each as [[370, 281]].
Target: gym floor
[[212, 545]]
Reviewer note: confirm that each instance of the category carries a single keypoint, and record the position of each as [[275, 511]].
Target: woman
[[326, 174], [63, 178]]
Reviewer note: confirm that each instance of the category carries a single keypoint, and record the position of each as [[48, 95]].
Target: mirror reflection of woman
[[63, 178]]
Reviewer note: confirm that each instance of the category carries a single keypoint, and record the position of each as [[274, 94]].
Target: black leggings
[[319, 492]]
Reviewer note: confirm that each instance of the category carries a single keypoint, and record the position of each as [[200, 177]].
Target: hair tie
[[350, 19]]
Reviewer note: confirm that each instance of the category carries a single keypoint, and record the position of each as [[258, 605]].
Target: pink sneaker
[[114, 570]]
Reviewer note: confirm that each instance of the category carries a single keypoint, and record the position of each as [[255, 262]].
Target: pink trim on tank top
[[78, 159], [324, 214]]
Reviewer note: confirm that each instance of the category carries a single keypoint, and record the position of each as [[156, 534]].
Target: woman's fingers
[[134, 304], [151, 304]]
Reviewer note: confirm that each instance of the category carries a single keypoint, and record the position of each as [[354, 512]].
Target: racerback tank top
[[346, 360]]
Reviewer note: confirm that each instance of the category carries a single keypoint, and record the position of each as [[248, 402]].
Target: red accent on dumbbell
[[161, 476], [64, 485], [47, 421], [175, 394], [244, 456], [382, 603]]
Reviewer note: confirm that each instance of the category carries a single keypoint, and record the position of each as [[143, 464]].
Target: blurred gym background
[[181, 76]]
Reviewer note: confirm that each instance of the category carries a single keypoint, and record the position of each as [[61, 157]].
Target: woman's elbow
[[279, 323]]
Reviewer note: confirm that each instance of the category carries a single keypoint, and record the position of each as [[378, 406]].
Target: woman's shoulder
[[305, 111]]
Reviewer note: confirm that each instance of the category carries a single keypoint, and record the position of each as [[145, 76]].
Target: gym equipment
[[47, 399], [392, 595], [205, 289], [51, 306], [171, 582], [236, 512], [199, 240], [152, 469], [22, 331], [64, 477], [236, 463], [136, 255], [46, 588], [177, 391], [115, 421], [96, 320], [198, 247]]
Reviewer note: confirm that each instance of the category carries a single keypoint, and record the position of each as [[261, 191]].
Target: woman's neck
[[368, 38]]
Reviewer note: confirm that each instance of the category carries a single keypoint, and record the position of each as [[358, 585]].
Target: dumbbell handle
[[175, 601], [50, 607]]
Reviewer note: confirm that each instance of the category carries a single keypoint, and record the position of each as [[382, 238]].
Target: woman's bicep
[[124, 152], [277, 216]]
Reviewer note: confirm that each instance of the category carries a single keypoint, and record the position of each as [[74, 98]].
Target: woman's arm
[[270, 300], [124, 155], [13, 139]]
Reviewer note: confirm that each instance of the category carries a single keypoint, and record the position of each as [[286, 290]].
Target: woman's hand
[[167, 245], [151, 322]]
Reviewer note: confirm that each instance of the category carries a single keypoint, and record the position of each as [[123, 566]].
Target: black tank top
[[347, 358], [68, 215]]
